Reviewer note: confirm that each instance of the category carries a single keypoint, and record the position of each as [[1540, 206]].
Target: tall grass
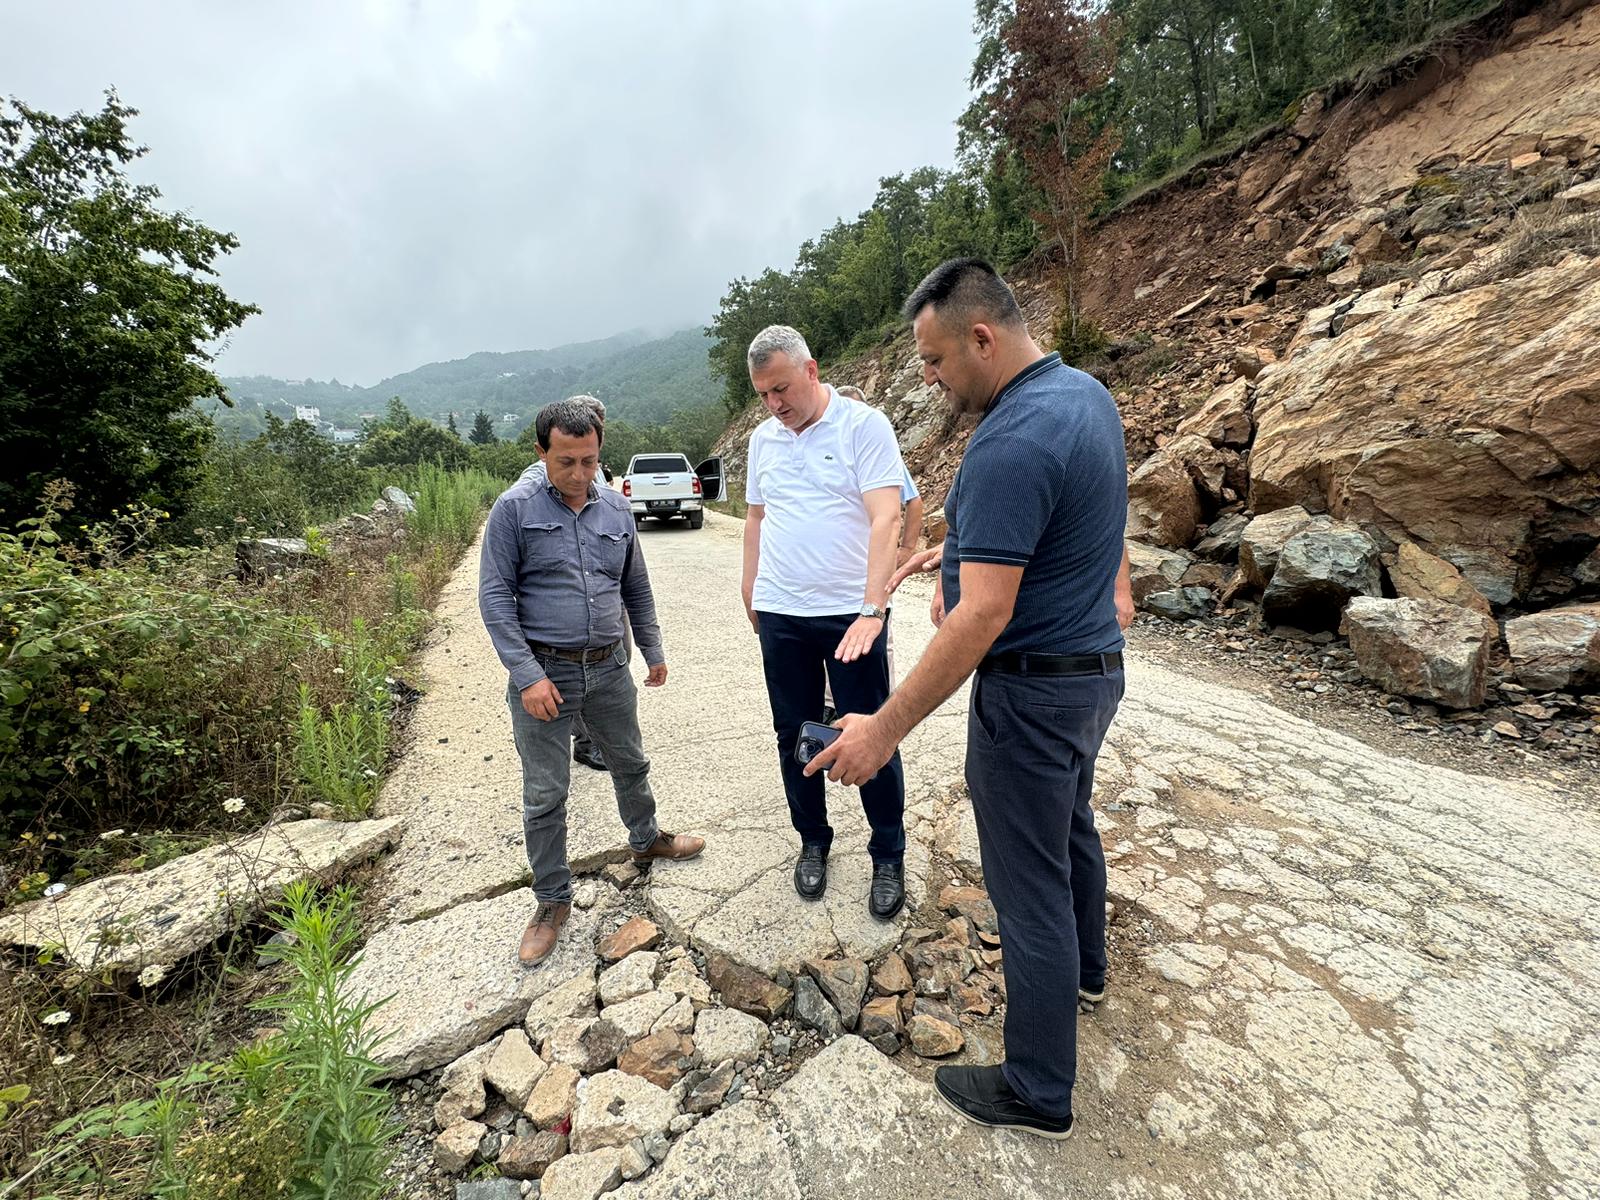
[[450, 504]]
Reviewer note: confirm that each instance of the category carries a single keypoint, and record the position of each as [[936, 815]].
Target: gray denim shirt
[[551, 575]]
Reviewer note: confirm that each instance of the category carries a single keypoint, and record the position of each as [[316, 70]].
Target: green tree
[[450, 424], [107, 307], [417, 441], [482, 430]]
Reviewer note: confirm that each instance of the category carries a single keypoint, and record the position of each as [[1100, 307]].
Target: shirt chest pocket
[[544, 544], [608, 551]]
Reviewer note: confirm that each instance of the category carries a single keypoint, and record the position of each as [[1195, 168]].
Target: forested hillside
[[642, 380], [1076, 109]]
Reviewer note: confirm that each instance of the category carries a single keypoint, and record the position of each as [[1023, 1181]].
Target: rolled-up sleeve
[[497, 596], [640, 601]]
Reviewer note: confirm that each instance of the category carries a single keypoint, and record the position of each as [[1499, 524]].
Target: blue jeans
[[604, 695], [794, 651], [1031, 746]]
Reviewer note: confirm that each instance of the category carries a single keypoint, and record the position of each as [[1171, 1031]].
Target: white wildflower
[[233, 804], [60, 1017], [152, 975], [112, 833], [338, 670], [62, 1060], [369, 773]]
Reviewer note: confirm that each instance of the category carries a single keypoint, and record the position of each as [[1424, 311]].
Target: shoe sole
[[1092, 997], [818, 895], [1037, 1132]]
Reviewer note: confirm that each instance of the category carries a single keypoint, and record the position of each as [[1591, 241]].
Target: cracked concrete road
[[1337, 970]]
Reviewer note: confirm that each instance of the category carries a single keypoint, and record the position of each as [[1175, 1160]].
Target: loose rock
[[933, 1038], [615, 1108], [529, 1157], [723, 1034], [637, 934], [747, 990]]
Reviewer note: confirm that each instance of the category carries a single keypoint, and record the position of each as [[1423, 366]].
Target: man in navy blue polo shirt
[[1030, 569]]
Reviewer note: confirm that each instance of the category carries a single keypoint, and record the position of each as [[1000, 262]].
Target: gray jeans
[[582, 743], [604, 695]]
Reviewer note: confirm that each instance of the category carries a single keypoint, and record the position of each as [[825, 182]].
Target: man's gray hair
[[851, 390], [777, 339], [577, 417]]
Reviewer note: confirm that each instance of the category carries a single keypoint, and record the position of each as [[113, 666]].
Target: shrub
[[122, 670], [1085, 343], [278, 483]]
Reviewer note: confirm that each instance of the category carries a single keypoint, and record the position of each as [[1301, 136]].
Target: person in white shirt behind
[[823, 489]]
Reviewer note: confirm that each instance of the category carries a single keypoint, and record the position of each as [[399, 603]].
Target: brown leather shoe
[[539, 938], [670, 845]]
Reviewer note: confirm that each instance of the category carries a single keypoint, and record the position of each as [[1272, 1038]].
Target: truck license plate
[[661, 505]]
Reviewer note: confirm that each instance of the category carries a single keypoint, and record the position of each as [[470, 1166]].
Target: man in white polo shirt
[[823, 489]]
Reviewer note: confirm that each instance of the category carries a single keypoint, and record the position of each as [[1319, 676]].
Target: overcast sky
[[417, 181]]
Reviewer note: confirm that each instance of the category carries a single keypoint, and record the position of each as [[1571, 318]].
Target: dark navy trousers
[[795, 652], [1031, 746]]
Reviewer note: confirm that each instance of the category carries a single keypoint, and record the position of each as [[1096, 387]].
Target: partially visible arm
[[752, 559], [1124, 590], [988, 595], [498, 566], [883, 510], [640, 601], [910, 532]]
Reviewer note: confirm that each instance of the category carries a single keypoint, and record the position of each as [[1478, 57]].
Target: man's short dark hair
[[575, 417], [963, 290]]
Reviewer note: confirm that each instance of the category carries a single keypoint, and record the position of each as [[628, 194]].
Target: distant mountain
[[642, 381]]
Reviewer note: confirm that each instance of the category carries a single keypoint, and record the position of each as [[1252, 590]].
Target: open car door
[[713, 480]]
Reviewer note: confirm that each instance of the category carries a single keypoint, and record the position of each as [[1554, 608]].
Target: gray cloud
[[419, 181]]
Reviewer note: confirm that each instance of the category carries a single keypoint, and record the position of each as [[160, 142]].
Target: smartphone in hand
[[814, 738]]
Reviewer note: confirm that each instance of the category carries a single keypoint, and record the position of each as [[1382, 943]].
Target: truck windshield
[[660, 464]]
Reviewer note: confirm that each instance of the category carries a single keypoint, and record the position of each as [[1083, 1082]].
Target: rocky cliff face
[[1384, 311]]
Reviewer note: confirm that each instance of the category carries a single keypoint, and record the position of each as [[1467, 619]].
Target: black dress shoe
[[829, 716], [589, 756], [811, 872], [888, 895], [982, 1095]]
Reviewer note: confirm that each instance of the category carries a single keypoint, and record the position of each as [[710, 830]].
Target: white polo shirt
[[815, 529]]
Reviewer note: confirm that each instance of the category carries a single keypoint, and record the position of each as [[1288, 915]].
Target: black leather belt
[[1053, 664], [598, 654]]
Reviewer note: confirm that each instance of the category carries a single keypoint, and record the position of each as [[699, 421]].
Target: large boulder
[[1224, 419], [1556, 649], [1423, 576], [1179, 604], [1467, 422], [1321, 568], [1263, 540], [1423, 648], [1152, 569], [1222, 539], [1163, 505]]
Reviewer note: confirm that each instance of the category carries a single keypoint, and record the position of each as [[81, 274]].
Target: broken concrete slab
[[735, 1154], [124, 923], [454, 980], [856, 1120], [739, 922]]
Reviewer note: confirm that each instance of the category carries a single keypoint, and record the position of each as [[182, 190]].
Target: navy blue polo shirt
[[1044, 486]]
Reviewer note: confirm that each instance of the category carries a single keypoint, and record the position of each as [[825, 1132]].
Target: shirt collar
[[1037, 367], [555, 494], [834, 402]]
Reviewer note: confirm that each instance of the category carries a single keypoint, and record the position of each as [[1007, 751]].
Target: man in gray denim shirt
[[560, 561]]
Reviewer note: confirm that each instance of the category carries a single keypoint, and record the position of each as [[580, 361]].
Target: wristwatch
[[872, 610]]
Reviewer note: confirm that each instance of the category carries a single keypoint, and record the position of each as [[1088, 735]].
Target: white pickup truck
[[663, 486]]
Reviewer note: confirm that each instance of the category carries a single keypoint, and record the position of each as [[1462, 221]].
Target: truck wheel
[[638, 522], [697, 519]]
